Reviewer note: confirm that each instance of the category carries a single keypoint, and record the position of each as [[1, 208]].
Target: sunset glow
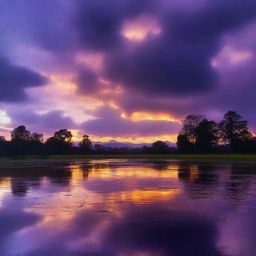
[[127, 127], [132, 74], [140, 116], [140, 28], [137, 140]]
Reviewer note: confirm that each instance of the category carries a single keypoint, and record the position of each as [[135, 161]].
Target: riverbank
[[236, 157]]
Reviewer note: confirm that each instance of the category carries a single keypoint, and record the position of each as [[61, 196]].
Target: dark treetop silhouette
[[198, 135]]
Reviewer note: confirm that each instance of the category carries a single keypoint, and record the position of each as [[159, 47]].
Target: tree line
[[198, 135], [23, 142], [230, 135]]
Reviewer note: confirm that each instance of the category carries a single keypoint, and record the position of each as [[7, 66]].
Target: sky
[[125, 70]]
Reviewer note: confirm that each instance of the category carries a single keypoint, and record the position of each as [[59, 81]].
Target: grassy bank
[[231, 157]]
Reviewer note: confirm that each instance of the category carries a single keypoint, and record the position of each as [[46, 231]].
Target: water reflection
[[239, 185], [201, 180], [126, 207]]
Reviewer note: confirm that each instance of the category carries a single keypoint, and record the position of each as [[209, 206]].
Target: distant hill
[[117, 144]]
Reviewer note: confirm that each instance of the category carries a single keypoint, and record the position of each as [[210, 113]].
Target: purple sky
[[128, 70]]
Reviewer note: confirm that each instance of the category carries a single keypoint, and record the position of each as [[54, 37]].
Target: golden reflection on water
[[62, 203], [5, 185], [194, 172], [145, 196], [131, 175], [124, 172]]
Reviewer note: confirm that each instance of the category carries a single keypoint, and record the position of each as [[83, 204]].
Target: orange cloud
[[141, 116], [139, 28], [61, 95]]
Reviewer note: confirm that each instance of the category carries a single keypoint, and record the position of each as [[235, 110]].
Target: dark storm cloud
[[175, 62], [237, 91], [109, 123], [99, 22], [43, 23], [178, 62], [14, 79], [141, 102], [39, 34], [210, 21]]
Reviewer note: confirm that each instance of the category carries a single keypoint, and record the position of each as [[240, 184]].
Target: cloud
[[175, 62], [14, 79], [99, 22], [87, 81], [169, 69], [175, 234], [45, 123], [180, 235], [155, 68], [11, 223], [237, 90], [110, 123], [39, 23]]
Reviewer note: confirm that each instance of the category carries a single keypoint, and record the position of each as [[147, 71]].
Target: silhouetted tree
[[63, 135], [99, 149], [190, 125], [160, 147], [36, 137], [85, 145], [60, 143], [234, 130], [20, 141], [197, 135], [3, 144], [36, 145], [57, 146], [187, 138], [184, 145], [145, 149], [247, 146], [206, 136], [20, 133]]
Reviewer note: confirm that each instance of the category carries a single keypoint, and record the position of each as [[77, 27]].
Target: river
[[127, 207]]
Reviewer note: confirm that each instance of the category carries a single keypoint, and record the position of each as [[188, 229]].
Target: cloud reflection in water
[[127, 208]]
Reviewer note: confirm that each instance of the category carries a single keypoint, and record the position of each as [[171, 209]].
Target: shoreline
[[246, 157]]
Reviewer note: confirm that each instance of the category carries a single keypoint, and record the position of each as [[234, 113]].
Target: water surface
[[128, 207]]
